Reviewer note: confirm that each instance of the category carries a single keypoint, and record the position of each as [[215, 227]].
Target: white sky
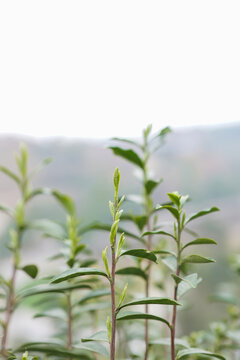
[[104, 68]]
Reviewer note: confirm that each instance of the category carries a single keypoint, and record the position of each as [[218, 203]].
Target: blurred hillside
[[203, 163]]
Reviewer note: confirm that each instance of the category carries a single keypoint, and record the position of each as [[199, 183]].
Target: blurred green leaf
[[127, 154], [140, 253], [31, 270], [72, 273]]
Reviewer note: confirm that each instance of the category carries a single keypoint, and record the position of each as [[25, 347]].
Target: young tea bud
[[116, 180], [123, 295], [105, 260], [114, 229], [109, 329]]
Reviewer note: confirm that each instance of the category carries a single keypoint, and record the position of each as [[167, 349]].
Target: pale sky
[[96, 68]]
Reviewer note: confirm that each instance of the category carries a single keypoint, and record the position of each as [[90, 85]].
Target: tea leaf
[[128, 315], [200, 241], [140, 253], [31, 270], [151, 300], [202, 213], [158, 232], [9, 173], [197, 259], [170, 208], [150, 185], [72, 273], [65, 201], [127, 154]]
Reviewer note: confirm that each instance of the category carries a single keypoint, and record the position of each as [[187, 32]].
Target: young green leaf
[[158, 232], [200, 241], [123, 295], [65, 201], [127, 154], [72, 273], [140, 253], [187, 282], [116, 180], [197, 259], [150, 185], [202, 213], [113, 232], [9, 173], [170, 208], [105, 261], [120, 245], [175, 198]]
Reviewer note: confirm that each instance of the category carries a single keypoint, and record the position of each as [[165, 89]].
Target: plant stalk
[[147, 285], [113, 332], [69, 318], [9, 311], [175, 297]]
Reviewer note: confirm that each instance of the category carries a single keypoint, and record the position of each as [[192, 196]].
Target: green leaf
[[38, 191], [25, 356], [31, 270], [116, 180], [123, 295], [150, 185], [109, 329], [175, 198], [200, 241], [187, 282], [55, 349], [45, 289], [202, 213], [129, 315], [158, 232], [72, 273], [98, 336], [7, 210], [140, 253], [150, 300], [9, 173], [65, 201], [93, 295], [128, 154], [197, 259], [170, 208], [165, 131], [105, 261], [193, 351], [132, 271]]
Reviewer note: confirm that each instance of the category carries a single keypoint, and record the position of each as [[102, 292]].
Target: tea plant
[[148, 218], [177, 262], [19, 226], [116, 254]]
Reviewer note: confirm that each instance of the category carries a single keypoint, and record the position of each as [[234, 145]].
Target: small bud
[[116, 180], [120, 245], [113, 232], [105, 260], [123, 295], [111, 208]]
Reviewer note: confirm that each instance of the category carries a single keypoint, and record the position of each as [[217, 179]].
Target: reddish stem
[[113, 335], [149, 246]]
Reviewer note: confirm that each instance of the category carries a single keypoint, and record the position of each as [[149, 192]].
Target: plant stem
[[9, 311], [175, 297], [69, 319], [113, 334], [149, 245]]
